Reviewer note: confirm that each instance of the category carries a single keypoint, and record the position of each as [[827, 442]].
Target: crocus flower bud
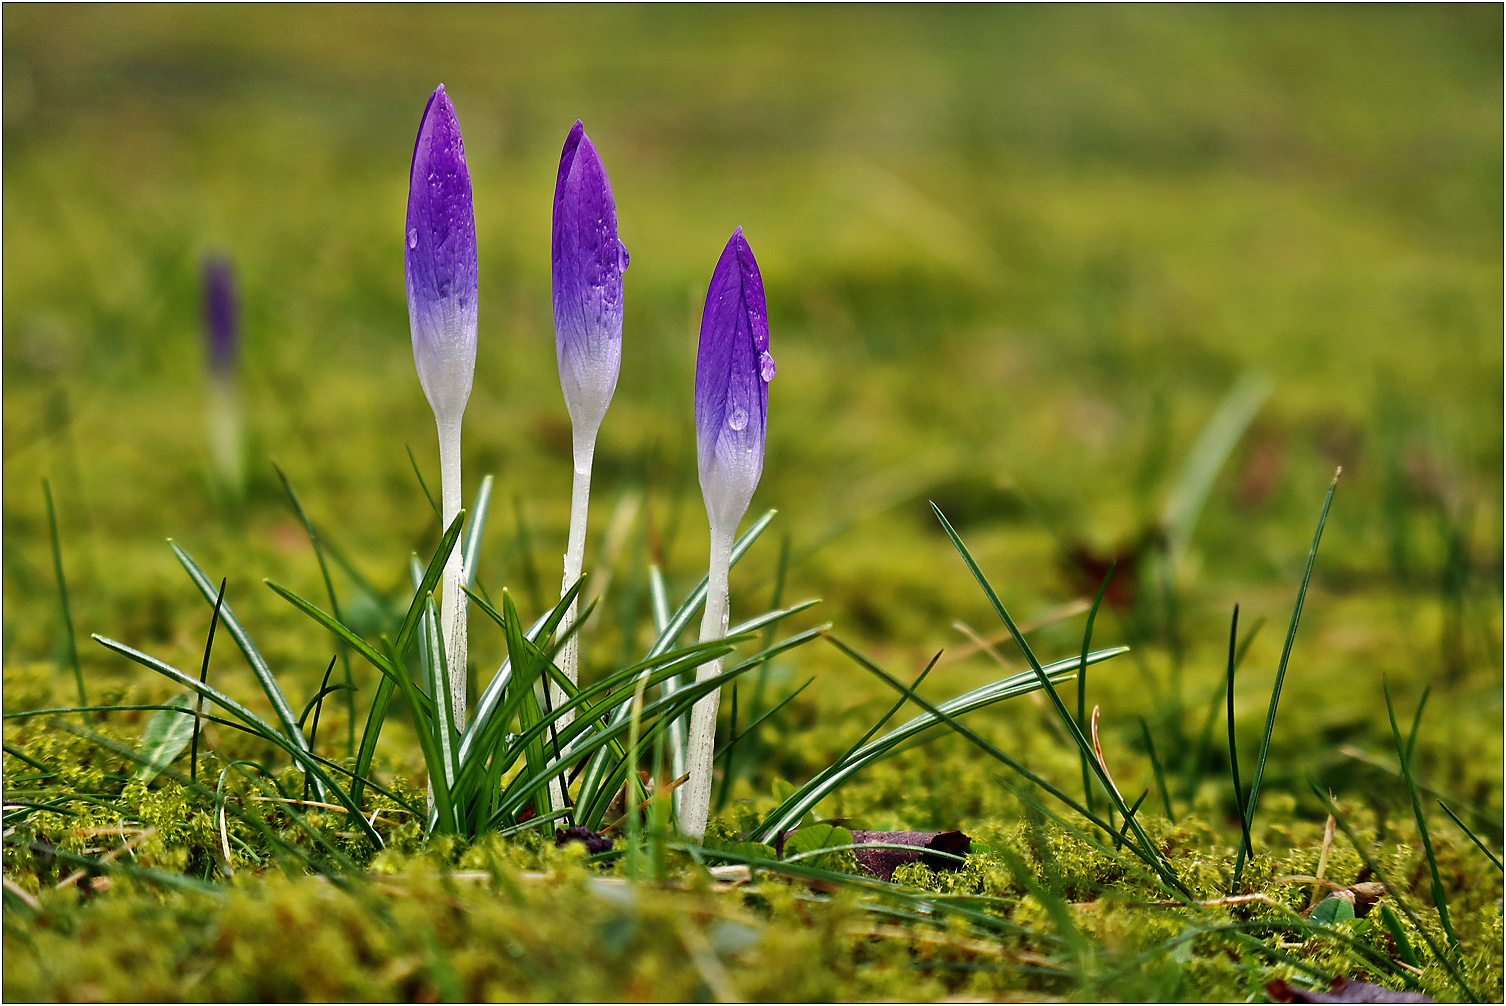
[[439, 262], [221, 322], [222, 346], [732, 374], [588, 261]]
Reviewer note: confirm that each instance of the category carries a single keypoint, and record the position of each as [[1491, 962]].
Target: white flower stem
[[452, 603], [696, 806], [575, 560], [225, 444]]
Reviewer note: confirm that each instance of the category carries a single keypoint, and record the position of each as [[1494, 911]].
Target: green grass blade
[[824, 782], [793, 808], [317, 705], [588, 739], [65, 611], [248, 649], [165, 737], [334, 602], [1082, 685], [523, 543], [214, 621], [755, 724], [1155, 766], [336, 628], [431, 579], [1208, 455], [1439, 954], [659, 598], [693, 601], [299, 753], [421, 483], [1398, 935], [442, 722], [424, 733], [1199, 757], [1440, 899], [898, 705], [1472, 836], [1246, 846], [312, 706], [1115, 800], [375, 717], [1286, 653], [471, 549], [1417, 722]]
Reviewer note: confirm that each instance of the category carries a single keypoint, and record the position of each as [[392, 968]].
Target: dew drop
[[765, 367], [412, 237], [738, 419], [623, 266]]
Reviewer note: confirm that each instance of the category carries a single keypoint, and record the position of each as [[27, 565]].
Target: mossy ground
[[1014, 258]]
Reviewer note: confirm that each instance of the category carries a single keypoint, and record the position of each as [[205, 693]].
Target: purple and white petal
[[587, 261], [439, 260], [733, 370]]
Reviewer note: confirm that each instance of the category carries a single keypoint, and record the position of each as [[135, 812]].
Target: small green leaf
[[1331, 910], [815, 837], [167, 734], [1398, 936]]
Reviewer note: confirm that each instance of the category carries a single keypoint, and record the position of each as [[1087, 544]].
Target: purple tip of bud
[[439, 260], [588, 261], [221, 319], [732, 375]]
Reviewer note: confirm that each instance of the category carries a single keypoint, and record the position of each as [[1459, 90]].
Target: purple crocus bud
[[588, 261], [732, 374], [221, 321], [439, 262]]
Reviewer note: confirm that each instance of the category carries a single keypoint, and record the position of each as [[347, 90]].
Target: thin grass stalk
[[635, 721], [1472, 837], [1239, 803], [1116, 799], [70, 644], [1195, 760], [214, 621], [1144, 849], [726, 748], [318, 701], [1082, 683], [334, 603], [1155, 767], [1286, 654], [1440, 899], [1417, 722], [830, 778]]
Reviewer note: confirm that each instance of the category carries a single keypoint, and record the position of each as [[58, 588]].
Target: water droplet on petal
[[412, 237], [765, 367], [738, 419], [624, 265]]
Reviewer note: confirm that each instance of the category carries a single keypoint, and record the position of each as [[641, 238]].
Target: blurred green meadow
[[1016, 257]]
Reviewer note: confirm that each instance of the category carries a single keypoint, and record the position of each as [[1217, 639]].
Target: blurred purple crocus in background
[[222, 349], [732, 375], [439, 266], [221, 321], [587, 260]]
